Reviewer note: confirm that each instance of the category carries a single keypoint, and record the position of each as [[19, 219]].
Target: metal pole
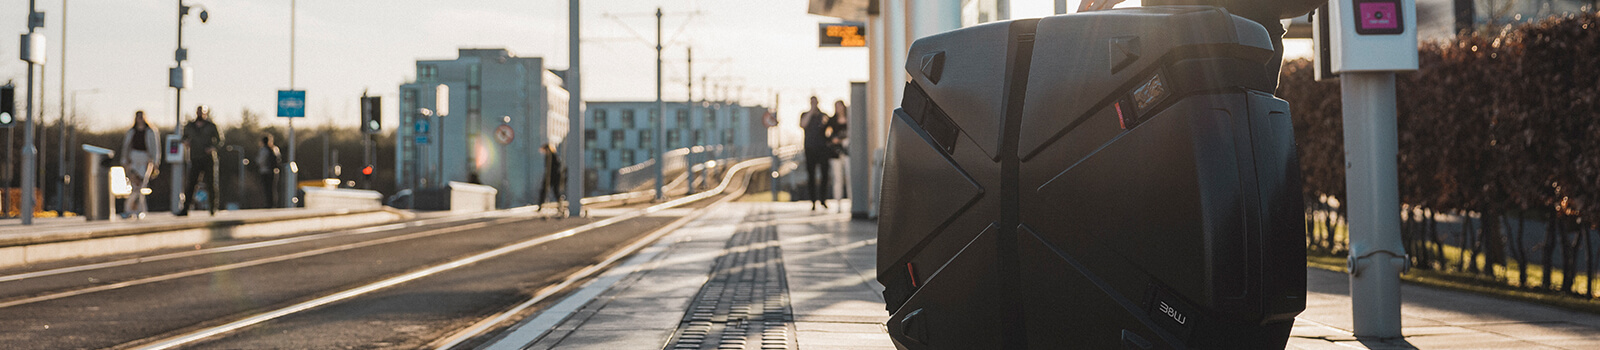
[[326, 162], [291, 172], [438, 165], [688, 167], [773, 149], [176, 194], [574, 117], [661, 116], [61, 120], [29, 152], [859, 157], [1376, 254], [40, 151]]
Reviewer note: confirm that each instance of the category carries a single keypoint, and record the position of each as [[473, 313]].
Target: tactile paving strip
[[745, 304]]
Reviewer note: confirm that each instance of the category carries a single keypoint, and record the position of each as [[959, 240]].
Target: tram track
[[220, 323]]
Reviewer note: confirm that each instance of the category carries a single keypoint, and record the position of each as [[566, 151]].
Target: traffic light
[[367, 170], [371, 116], [8, 106]]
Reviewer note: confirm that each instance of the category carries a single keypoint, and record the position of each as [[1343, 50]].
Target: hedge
[[1501, 127]]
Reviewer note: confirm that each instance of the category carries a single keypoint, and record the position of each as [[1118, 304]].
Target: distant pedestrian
[[836, 129], [201, 138], [267, 164], [819, 151], [553, 176], [836, 142], [139, 163]]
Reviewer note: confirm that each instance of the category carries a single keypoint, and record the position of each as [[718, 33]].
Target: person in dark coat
[[267, 163], [819, 151], [553, 176], [201, 138]]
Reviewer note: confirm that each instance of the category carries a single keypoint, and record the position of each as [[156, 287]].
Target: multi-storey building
[[620, 134], [500, 109]]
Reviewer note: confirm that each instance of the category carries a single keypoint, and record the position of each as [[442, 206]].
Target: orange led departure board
[[841, 35]]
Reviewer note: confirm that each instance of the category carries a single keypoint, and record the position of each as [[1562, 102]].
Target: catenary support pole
[[291, 173], [575, 140], [1371, 150], [772, 148], [61, 121], [660, 120]]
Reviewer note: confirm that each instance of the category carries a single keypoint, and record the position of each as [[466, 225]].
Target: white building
[[499, 111], [619, 134]]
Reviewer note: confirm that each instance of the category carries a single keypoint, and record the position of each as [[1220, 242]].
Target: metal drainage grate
[[745, 305]]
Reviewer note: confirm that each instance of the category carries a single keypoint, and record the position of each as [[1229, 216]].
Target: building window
[[600, 118], [711, 118], [646, 139], [699, 137], [474, 99], [683, 119], [427, 73], [627, 157], [588, 139], [655, 116], [672, 139], [617, 136], [627, 119], [474, 75], [600, 159], [727, 136]]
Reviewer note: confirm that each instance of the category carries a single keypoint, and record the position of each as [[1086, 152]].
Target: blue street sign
[[422, 126], [292, 103], [422, 139]]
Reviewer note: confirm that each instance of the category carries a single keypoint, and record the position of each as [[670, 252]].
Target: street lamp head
[[183, 10], [425, 112]]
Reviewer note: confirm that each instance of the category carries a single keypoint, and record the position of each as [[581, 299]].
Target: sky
[[118, 52]]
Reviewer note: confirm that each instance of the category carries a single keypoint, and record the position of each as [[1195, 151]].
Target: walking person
[[201, 138], [819, 152], [139, 163], [836, 142], [553, 176], [267, 163], [837, 129]]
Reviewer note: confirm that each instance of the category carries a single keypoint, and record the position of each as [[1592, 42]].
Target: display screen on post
[[1379, 17]]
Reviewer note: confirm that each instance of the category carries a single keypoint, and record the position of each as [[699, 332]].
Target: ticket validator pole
[[1368, 41]]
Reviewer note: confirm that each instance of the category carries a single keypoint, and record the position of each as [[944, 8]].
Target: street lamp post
[[661, 119], [61, 118], [178, 79], [292, 175]]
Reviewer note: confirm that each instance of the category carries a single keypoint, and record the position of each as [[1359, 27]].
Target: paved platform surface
[[1434, 318], [827, 263]]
